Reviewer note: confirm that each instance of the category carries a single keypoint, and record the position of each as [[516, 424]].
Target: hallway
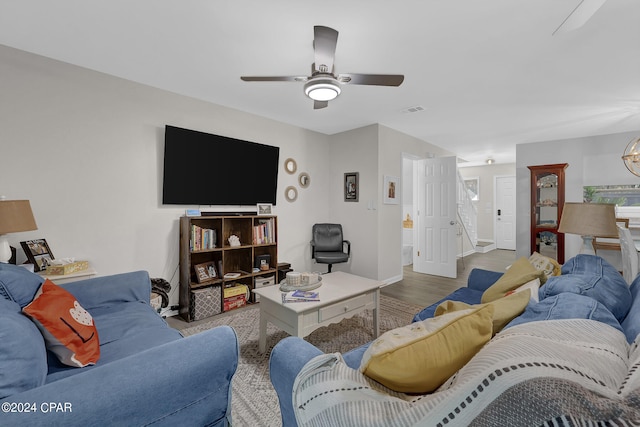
[[425, 289]]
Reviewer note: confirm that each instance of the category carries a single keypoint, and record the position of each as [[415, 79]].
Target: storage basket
[[205, 302], [261, 282]]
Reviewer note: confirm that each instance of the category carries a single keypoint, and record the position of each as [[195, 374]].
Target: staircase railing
[[467, 212]]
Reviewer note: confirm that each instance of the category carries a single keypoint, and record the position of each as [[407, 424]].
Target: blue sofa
[[147, 372], [585, 296]]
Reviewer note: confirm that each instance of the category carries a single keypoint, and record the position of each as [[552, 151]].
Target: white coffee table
[[342, 295]]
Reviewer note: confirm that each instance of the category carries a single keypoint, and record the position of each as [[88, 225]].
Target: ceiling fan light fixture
[[323, 85], [322, 89], [631, 156]]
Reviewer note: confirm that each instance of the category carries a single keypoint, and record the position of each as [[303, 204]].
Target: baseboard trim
[[469, 252], [391, 280]]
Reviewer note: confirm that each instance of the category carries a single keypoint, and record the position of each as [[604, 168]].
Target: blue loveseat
[[147, 372], [572, 357]]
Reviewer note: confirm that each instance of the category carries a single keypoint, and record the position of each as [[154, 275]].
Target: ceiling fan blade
[[320, 104], [372, 79], [580, 15], [324, 44], [274, 78]]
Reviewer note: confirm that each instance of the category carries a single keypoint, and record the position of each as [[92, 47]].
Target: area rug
[[254, 401]]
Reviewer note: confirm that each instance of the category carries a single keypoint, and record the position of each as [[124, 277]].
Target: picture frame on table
[[391, 190], [262, 262], [38, 253], [205, 271], [264, 209], [351, 189]]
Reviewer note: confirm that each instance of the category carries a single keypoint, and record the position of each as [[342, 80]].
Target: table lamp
[[15, 216], [589, 220]]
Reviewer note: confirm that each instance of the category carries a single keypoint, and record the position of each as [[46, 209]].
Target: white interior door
[[506, 212], [435, 220]]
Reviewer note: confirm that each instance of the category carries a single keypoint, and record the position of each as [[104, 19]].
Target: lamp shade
[[589, 219], [16, 215]]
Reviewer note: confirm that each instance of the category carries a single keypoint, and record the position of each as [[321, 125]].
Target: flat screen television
[[206, 169]]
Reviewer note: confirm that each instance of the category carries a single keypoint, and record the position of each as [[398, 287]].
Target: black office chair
[[327, 244]]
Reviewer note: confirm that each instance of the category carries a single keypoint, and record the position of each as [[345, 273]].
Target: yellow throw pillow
[[517, 275], [549, 266], [505, 309], [533, 286], [419, 357]]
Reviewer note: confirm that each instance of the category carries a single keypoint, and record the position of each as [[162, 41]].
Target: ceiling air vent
[[415, 109]]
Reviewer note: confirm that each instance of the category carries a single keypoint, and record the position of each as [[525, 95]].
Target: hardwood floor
[[425, 289], [415, 288]]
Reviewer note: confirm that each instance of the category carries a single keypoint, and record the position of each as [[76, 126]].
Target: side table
[[283, 269], [71, 277]]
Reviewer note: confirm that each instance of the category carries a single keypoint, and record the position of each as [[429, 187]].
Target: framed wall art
[[391, 190], [473, 187], [291, 193], [351, 186]]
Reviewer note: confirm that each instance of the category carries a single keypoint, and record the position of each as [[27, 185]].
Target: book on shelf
[[300, 296], [202, 238], [264, 232]]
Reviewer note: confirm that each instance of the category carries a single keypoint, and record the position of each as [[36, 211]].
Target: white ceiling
[[488, 73]]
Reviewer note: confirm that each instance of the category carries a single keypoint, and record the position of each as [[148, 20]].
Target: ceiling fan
[[323, 84], [579, 16]]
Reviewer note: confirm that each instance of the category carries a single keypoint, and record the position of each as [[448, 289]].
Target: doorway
[[505, 213], [435, 225]]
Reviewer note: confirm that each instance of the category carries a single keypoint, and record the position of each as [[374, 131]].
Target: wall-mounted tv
[[206, 169]]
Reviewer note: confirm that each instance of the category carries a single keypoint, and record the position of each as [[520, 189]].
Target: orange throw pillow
[[67, 328]]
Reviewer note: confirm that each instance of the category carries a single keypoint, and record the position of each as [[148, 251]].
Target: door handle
[[452, 223], [499, 212]]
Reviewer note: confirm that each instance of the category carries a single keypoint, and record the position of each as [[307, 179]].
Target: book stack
[[202, 238], [265, 232], [235, 297], [300, 296]]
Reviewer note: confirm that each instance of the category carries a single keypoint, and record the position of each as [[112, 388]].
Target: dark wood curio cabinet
[[547, 201]]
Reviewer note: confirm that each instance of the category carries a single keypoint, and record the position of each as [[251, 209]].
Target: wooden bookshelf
[[205, 239]]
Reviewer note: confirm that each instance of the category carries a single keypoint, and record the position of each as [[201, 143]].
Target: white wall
[[87, 149], [356, 151], [594, 160]]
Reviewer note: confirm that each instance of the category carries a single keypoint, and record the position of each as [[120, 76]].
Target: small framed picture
[[206, 271], [262, 262], [38, 253], [391, 190], [473, 187], [265, 208], [351, 186]]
